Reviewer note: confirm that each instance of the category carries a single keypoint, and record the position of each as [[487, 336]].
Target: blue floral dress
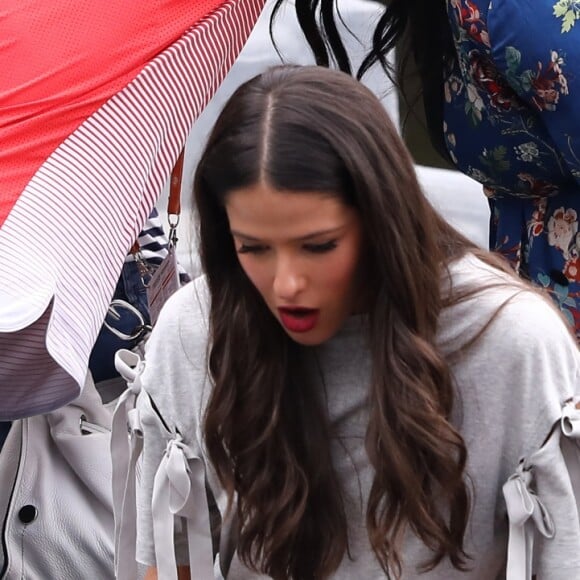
[[512, 122]]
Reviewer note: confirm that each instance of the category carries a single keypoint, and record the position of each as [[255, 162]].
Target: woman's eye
[[320, 248], [251, 249]]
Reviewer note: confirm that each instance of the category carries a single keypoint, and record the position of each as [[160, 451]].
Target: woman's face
[[302, 251]]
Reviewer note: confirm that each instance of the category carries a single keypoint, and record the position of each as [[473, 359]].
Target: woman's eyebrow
[[242, 236], [327, 232], [304, 238]]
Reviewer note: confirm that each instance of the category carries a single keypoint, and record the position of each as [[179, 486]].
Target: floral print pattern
[[568, 11], [562, 229], [511, 124]]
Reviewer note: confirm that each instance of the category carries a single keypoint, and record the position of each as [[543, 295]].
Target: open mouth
[[297, 319]]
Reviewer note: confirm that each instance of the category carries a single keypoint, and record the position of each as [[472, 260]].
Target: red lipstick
[[297, 319]]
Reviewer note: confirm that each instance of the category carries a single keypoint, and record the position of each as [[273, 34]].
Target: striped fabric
[[61, 60], [154, 245], [100, 183]]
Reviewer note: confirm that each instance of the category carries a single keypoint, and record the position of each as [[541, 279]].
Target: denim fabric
[[131, 289]]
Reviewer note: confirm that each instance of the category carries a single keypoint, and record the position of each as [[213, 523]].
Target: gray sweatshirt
[[510, 388]]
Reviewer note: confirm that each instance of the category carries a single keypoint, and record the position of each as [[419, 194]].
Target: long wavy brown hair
[[313, 129]]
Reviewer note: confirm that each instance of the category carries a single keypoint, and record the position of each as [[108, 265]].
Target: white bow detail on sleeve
[[179, 491], [126, 446], [526, 513]]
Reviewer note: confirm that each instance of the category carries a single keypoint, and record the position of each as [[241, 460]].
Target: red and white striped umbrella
[[96, 101]]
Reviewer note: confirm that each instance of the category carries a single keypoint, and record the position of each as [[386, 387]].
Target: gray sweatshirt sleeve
[[544, 374], [171, 401], [557, 558]]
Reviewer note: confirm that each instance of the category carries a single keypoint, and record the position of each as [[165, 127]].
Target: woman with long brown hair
[[345, 390]]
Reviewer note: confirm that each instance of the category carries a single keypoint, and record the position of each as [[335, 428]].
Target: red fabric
[[100, 183], [60, 60]]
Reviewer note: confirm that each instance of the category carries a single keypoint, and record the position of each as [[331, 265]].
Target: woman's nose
[[289, 281]]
